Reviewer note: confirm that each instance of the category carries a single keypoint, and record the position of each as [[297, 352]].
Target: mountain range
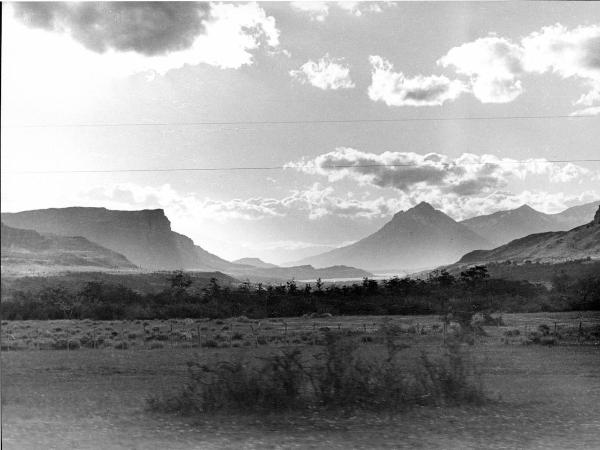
[[144, 237], [30, 250], [554, 246], [504, 226], [141, 238], [419, 238], [423, 237]]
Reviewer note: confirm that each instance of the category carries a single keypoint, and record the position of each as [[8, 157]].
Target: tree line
[[441, 292]]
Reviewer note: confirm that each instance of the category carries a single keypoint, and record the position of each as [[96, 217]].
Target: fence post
[[198, 334], [580, 332], [444, 332]]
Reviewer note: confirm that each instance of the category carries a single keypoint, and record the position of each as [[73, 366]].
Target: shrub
[[511, 333], [237, 336], [122, 345], [337, 378], [210, 343], [547, 340], [74, 344], [544, 329], [155, 345], [60, 344]]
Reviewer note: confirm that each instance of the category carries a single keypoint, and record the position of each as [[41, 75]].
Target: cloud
[[568, 53], [326, 73], [395, 89], [137, 37], [591, 111], [460, 207], [316, 10], [149, 28], [466, 175], [493, 64], [315, 202], [319, 11]]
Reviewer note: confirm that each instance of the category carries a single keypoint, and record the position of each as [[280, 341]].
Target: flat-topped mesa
[[144, 236]]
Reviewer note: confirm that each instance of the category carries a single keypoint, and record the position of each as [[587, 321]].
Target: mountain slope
[[557, 246], [255, 262], [504, 226], [28, 249], [144, 237], [418, 238]]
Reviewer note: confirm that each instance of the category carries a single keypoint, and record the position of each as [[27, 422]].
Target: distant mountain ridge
[[578, 243], [144, 237], [419, 237], [254, 262], [504, 226], [30, 250]]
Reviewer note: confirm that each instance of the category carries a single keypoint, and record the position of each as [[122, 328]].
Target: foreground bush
[[338, 378]]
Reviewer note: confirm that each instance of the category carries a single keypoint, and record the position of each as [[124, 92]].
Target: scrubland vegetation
[[471, 291], [338, 376]]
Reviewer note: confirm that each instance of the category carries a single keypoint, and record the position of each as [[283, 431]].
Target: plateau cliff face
[[144, 237]]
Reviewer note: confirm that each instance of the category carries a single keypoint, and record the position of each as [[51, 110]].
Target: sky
[[381, 89]]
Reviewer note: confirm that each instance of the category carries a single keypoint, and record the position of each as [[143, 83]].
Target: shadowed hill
[[419, 237], [144, 237], [28, 249], [578, 243], [504, 226], [254, 262]]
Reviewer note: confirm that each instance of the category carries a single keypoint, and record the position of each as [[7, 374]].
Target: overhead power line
[[287, 122], [251, 168]]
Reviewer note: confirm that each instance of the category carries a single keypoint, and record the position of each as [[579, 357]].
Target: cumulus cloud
[[461, 207], [395, 89], [149, 28], [326, 73], [568, 53], [315, 202], [319, 11], [466, 175], [493, 64], [139, 36], [591, 111], [316, 10]]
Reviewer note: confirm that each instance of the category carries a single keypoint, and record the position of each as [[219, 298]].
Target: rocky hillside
[[504, 226], [580, 242]]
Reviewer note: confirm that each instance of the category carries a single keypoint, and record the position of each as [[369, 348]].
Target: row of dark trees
[[473, 290]]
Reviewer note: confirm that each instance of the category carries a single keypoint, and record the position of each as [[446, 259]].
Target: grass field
[[542, 396]]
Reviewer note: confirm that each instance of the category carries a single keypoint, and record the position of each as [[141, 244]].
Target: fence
[[236, 332]]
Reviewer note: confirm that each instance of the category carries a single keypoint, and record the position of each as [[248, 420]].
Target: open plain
[[541, 396]]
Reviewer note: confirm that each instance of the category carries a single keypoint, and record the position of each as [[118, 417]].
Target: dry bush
[[337, 378]]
